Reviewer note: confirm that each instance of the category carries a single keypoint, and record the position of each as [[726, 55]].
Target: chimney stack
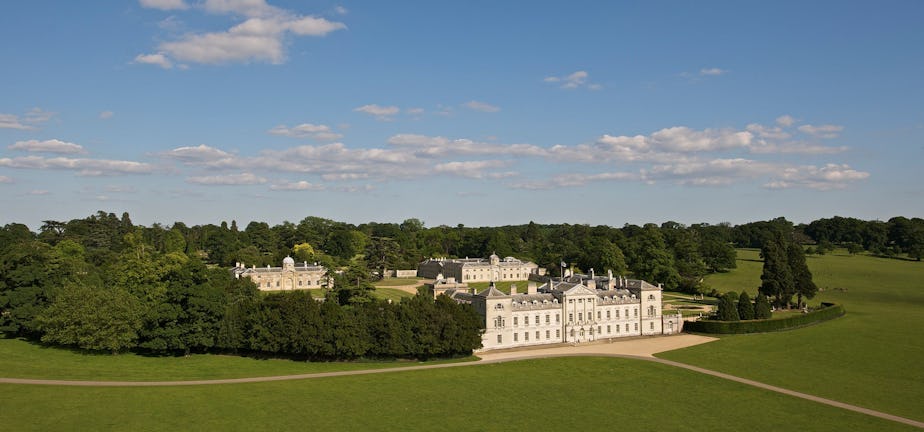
[[530, 287]]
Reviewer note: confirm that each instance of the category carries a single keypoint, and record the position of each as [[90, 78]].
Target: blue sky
[[480, 113]]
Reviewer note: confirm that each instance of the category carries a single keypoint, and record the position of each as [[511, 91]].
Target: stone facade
[[290, 276], [467, 270], [571, 310]]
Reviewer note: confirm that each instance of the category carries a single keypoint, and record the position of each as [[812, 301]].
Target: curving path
[[636, 349]]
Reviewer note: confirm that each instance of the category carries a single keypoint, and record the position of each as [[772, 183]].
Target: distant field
[[503, 286], [744, 278], [582, 394], [390, 294], [398, 282], [870, 357]]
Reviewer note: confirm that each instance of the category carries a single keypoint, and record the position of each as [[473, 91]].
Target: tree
[[801, 276], [649, 258], [776, 278], [304, 252], [762, 307], [188, 319], [745, 307], [727, 311], [92, 318]]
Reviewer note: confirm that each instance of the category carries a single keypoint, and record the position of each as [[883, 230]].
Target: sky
[[482, 113]]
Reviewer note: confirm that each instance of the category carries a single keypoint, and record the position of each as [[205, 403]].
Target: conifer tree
[[802, 277], [727, 310], [745, 307], [777, 278], [762, 307]]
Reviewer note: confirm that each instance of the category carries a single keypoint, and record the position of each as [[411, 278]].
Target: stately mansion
[[571, 309], [290, 276], [478, 269]]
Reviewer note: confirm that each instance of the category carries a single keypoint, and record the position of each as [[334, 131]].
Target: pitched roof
[[491, 292]]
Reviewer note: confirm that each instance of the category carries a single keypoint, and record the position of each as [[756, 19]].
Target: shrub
[[826, 312]]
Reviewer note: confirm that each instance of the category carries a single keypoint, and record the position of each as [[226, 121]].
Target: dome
[[288, 261]]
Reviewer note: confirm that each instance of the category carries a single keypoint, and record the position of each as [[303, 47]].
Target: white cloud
[[470, 169], [259, 38], [380, 112], [250, 8], [106, 115], [429, 146], [6, 180], [296, 186], [38, 192], [574, 180], [340, 10], [198, 154], [772, 132], [679, 155], [29, 120], [11, 121], [355, 189], [307, 130], [574, 80], [158, 59], [38, 115], [227, 180], [344, 176], [830, 176], [48, 146], [163, 4], [84, 167], [712, 72], [822, 131], [481, 106], [785, 120]]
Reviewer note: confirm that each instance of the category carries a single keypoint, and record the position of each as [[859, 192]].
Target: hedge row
[[828, 311]]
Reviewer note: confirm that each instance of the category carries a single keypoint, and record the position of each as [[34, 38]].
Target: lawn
[[20, 359], [503, 286], [585, 394], [391, 282], [390, 294], [870, 357]]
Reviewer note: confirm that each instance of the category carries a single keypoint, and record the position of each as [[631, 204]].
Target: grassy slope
[[19, 359], [390, 294], [552, 394], [871, 357], [390, 282], [503, 286]]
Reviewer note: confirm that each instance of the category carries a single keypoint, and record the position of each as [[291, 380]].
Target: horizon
[[481, 114]]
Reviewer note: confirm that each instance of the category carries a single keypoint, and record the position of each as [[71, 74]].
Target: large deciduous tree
[[92, 318]]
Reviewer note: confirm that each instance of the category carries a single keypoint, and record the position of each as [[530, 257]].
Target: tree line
[[171, 287]]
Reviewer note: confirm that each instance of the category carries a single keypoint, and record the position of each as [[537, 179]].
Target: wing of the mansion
[[290, 276], [572, 309], [478, 269]]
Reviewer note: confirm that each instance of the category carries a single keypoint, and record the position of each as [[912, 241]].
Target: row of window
[[548, 319], [608, 315], [548, 333], [308, 283]]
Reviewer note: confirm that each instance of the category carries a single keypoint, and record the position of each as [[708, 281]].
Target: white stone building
[[467, 270], [290, 276], [576, 309]]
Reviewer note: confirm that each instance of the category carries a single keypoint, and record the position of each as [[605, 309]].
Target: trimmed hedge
[[828, 311]]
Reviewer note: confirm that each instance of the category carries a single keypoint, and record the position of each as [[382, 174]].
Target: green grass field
[[390, 294], [391, 282], [503, 286], [552, 394], [20, 359], [870, 357]]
